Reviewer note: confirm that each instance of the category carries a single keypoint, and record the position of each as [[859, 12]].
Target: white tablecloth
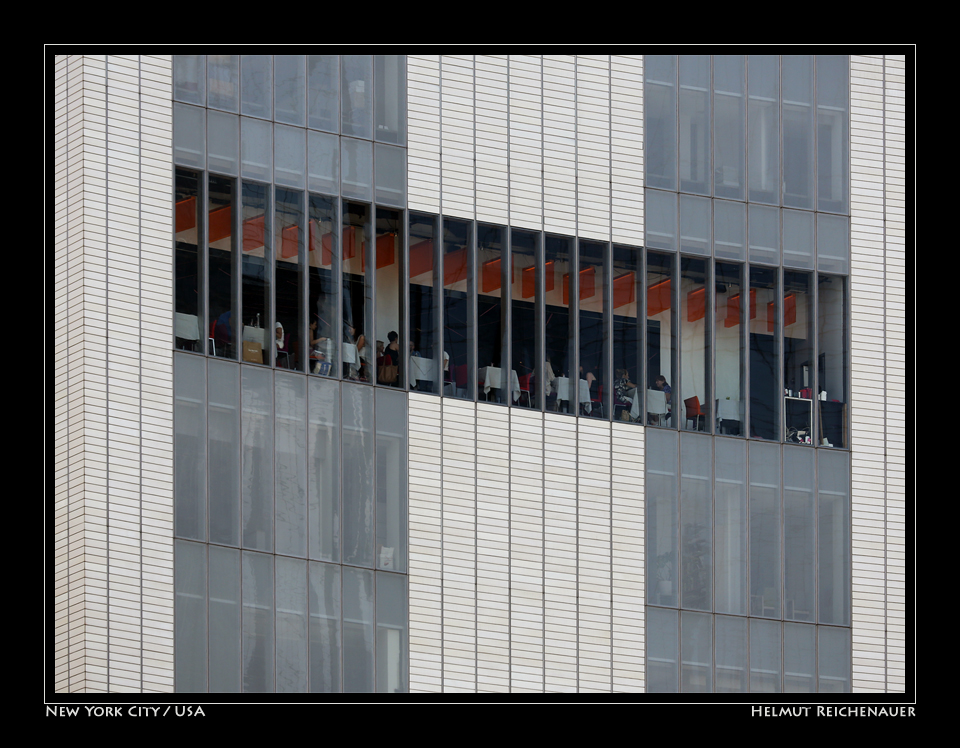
[[188, 326], [349, 353], [422, 369], [563, 391], [490, 375]]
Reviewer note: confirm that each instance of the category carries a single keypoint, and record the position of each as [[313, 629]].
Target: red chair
[[693, 411], [524, 389], [596, 403]]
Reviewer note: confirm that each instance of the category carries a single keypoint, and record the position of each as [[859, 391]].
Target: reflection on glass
[[765, 530], [491, 335], [324, 628], [799, 658], [323, 92], [389, 251], [323, 470], [663, 647], [763, 128], [765, 390], [833, 94], [833, 537], [660, 120], [729, 137], [663, 581], [627, 327], [358, 475], [190, 458], [289, 89], [797, 358], [257, 637], [187, 262], [834, 660], [695, 345], [457, 312], [427, 374], [695, 124], [256, 85], [730, 350], [731, 655], [357, 293], [291, 625], [288, 240], [290, 438], [257, 449], [696, 652], [224, 607], [391, 408], [799, 523], [524, 354], [223, 443], [798, 131], [358, 633], [593, 328], [190, 617], [730, 534], [220, 268], [764, 234], [323, 260], [661, 339], [560, 344], [356, 100], [391, 101], [696, 523], [764, 656], [832, 362], [256, 259], [222, 82], [392, 655]]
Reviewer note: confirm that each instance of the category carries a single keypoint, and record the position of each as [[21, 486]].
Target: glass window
[[763, 128], [661, 339], [187, 285], [524, 247], [290, 439], [833, 243], [833, 93], [764, 234], [731, 655], [357, 293], [594, 340], [323, 470], [561, 350], [390, 352], [256, 149], [190, 509], [356, 104], [730, 348], [457, 309], [832, 361], [257, 454], [627, 328], [696, 522], [661, 220], [798, 131], [695, 119], [660, 121], [189, 78], [696, 652], [730, 533], [258, 623], [256, 85], [356, 160], [833, 537], [491, 315], [765, 390], [391, 174], [799, 658], [765, 530], [291, 625], [224, 607], [222, 87], [287, 336], [798, 360], [290, 155], [663, 647], [663, 582], [189, 145], [323, 162], [323, 262], [426, 372], [764, 656], [729, 126], [799, 524], [223, 142], [392, 656], [323, 92], [834, 660], [695, 345], [729, 230], [190, 616], [390, 98], [289, 89], [358, 631], [221, 293], [358, 475], [798, 238], [325, 629], [391, 417], [223, 443]]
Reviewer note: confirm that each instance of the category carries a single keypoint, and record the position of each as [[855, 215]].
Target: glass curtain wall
[[592, 329], [458, 320], [524, 320], [560, 346], [661, 358], [357, 347], [491, 310], [389, 259], [429, 361], [222, 296], [627, 295], [256, 278], [187, 266], [287, 336], [323, 262]]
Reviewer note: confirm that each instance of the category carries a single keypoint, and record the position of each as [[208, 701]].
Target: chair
[[212, 340], [596, 403], [656, 405], [693, 412], [285, 353], [524, 389]]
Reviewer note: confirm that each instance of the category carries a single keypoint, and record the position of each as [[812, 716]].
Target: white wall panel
[[492, 135], [593, 147], [626, 149], [526, 142], [456, 136], [423, 133], [559, 144]]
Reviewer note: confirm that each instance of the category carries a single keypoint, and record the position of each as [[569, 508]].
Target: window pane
[[256, 279], [258, 623], [289, 84], [288, 241], [798, 131], [256, 77], [765, 390], [427, 374], [799, 523], [695, 175], [661, 339], [323, 470], [290, 435], [187, 261], [627, 328], [358, 475], [324, 628], [798, 357], [356, 160], [357, 292], [190, 615], [798, 238], [561, 351], [457, 311], [356, 106], [696, 522], [729, 126], [391, 633], [189, 78], [594, 341], [764, 234], [833, 181], [257, 481], [799, 664], [696, 652], [358, 634], [660, 120], [834, 660], [695, 345], [731, 655], [391, 99], [391, 480], [661, 517], [524, 320], [223, 142], [764, 656], [491, 318], [662, 651], [730, 533], [222, 76], [223, 414], [765, 530], [189, 145], [323, 162], [323, 92], [256, 149], [220, 264], [290, 155], [190, 458], [292, 662], [661, 220], [730, 349], [832, 362], [224, 605], [389, 258], [323, 261], [833, 537], [763, 128], [729, 230]]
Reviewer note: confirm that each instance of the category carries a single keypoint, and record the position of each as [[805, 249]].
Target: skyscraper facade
[[479, 373]]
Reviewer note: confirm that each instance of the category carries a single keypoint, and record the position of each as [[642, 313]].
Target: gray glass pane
[[662, 651], [834, 660], [289, 84], [190, 611], [730, 534], [729, 126], [323, 163], [223, 442], [391, 174], [833, 243], [290, 155], [224, 620], [696, 523], [256, 79], [833, 537], [765, 530], [292, 662], [356, 161], [764, 234], [764, 656], [729, 230], [323, 474], [222, 76], [799, 550], [696, 652], [324, 628], [256, 149], [695, 223], [798, 239], [189, 454], [833, 91], [799, 665], [356, 101], [391, 633], [291, 464], [188, 136], [189, 79], [660, 120], [731, 655], [223, 142], [661, 514], [694, 130], [257, 631], [323, 92], [257, 481], [358, 475], [763, 128], [798, 131], [661, 220], [391, 480], [390, 107], [358, 634]]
